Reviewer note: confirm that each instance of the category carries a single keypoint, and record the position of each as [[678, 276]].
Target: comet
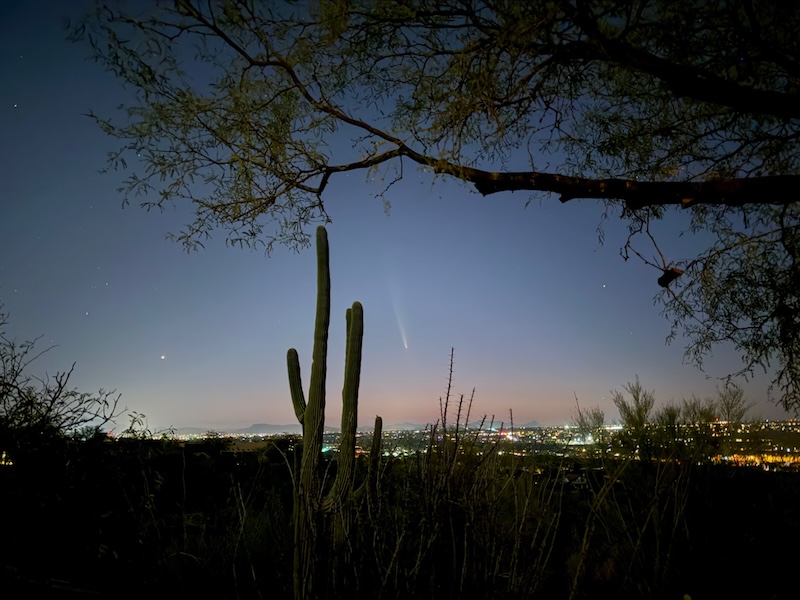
[[400, 326]]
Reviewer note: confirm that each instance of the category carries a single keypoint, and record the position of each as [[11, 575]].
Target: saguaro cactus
[[310, 508]]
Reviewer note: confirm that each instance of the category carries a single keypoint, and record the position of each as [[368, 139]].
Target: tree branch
[[689, 82], [778, 189], [684, 80]]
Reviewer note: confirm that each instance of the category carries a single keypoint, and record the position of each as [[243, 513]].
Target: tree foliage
[[248, 109], [731, 404], [590, 423]]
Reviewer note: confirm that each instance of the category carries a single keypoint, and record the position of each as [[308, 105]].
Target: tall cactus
[[311, 510]]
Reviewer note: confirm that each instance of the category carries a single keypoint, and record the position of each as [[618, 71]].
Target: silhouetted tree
[[667, 420], [699, 411], [36, 410], [634, 413], [731, 404], [247, 110]]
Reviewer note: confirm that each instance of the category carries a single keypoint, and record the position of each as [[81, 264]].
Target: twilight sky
[[537, 309]]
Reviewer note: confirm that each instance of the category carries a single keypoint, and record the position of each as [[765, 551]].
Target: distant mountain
[[296, 428], [254, 429], [486, 424], [472, 426], [186, 430], [420, 427], [405, 426], [268, 428], [505, 424]]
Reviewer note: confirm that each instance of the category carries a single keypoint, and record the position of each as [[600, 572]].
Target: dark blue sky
[[537, 310]]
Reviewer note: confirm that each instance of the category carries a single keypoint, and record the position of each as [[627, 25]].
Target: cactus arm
[[375, 449], [374, 463], [296, 384], [352, 365], [343, 485]]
